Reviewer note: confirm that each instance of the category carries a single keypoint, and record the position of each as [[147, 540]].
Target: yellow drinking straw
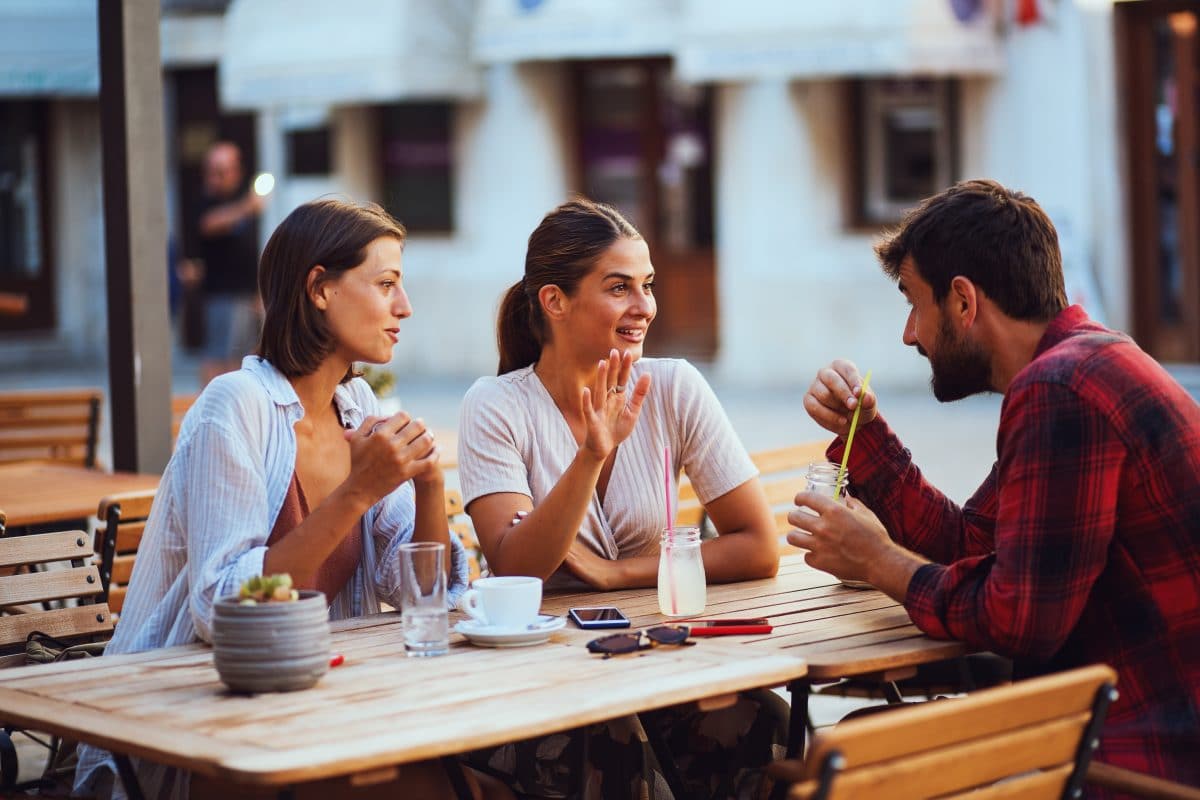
[[837, 489]]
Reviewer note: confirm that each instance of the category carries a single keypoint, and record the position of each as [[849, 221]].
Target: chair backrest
[[58, 425], [180, 403], [122, 523], [1031, 739], [781, 471], [31, 581], [460, 525]]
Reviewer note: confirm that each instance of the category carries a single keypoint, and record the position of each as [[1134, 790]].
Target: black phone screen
[[600, 614]]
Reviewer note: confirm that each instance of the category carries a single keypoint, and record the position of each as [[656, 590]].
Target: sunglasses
[[620, 643]]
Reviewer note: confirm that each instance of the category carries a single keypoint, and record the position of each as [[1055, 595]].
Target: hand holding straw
[[862, 395], [670, 525]]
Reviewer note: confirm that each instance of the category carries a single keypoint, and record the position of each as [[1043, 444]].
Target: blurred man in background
[[228, 236]]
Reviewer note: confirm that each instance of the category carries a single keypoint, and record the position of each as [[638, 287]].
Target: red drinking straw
[[670, 525]]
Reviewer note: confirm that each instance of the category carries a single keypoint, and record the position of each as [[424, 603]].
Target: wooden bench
[[122, 523], [781, 471], [58, 425], [1032, 739]]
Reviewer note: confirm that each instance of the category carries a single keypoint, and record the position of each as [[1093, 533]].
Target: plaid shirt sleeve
[[1053, 498]]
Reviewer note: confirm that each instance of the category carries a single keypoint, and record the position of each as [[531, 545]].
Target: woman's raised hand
[[609, 409], [387, 451]]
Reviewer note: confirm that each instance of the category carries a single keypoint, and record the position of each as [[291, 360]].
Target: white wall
[[511, 162], [798, 287]]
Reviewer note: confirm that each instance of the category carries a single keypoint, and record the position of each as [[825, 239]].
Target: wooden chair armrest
[[1135, 783]]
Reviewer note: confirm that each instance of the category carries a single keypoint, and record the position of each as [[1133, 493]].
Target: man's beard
[[960, 368]]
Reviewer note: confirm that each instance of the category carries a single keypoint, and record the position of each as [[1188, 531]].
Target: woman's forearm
[[739, 556], [538, 544], [431, 523], [306, 547]]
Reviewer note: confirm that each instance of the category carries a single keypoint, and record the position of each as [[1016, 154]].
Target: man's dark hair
[[1001, 240], [330, 233]]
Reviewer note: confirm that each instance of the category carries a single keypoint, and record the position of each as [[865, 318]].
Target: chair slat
[[116, 598], [784, 491], [54, 420], [134, 505], [794, 457], [966, 766], [129, 536], [988, 712], [38, 587], [1046, 785], [60, 623], [39, 549], [123, 568]]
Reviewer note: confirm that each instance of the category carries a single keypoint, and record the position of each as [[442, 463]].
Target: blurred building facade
[[760, 147]]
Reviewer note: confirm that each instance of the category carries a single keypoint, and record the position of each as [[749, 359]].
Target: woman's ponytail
[[517, 339]]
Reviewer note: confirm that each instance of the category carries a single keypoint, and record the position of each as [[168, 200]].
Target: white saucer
[[495, 636]]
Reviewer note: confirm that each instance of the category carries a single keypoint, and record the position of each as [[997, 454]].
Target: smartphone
[[599, 617]]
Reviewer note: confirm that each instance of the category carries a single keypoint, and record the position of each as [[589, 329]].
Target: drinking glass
[[423, 599]]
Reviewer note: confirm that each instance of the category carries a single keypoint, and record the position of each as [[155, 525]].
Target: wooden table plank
[[38, 493], [378, 709]]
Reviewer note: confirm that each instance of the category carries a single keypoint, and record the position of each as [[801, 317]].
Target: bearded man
[[1083, 544]]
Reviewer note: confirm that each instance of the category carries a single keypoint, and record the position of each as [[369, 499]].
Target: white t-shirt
[[513, 438]]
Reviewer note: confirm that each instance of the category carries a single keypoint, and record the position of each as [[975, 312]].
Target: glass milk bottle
[[681, 585]]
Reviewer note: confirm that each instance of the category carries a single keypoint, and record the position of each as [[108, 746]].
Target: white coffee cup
[[510, 601]]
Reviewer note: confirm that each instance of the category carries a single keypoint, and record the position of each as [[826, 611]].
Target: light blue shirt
[[214, 509]]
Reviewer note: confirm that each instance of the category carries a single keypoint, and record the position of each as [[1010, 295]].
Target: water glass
[[423, 599], [682, 590]]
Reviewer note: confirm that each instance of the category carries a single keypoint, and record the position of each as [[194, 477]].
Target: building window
[[25, 275], [310, 151], [418, 176], [908, 144]]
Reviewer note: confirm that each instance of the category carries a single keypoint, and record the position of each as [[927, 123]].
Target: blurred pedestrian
[[228, 236]]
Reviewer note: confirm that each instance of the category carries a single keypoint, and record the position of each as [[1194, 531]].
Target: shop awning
[[755, 39], [540, 30], [323, 52], [49, 47]]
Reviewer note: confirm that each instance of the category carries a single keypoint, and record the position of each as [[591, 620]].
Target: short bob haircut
[[330, 233]]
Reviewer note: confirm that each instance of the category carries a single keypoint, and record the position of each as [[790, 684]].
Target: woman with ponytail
[[561, 454]]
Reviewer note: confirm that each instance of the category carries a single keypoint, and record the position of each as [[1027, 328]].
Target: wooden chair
[[781, 472], [122, 523], [59, 425], [460, 525], [58, 602], [180, 403], [1032, 739]]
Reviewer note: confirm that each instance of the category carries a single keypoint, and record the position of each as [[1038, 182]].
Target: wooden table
[[377, 710], [840, 632], [42, 494]]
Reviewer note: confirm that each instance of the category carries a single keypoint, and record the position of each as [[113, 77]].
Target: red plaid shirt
[[1083, 544]]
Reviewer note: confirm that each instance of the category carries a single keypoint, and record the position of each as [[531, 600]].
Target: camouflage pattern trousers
[[719, 754]]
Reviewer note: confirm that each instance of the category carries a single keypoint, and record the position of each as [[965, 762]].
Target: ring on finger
[[616, 389]]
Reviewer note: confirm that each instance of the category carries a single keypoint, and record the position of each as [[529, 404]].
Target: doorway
[[1159, 51], [645, 147]]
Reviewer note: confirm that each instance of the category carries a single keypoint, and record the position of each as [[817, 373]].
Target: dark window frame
[[41, 314], [446, 222], [859, 211]]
